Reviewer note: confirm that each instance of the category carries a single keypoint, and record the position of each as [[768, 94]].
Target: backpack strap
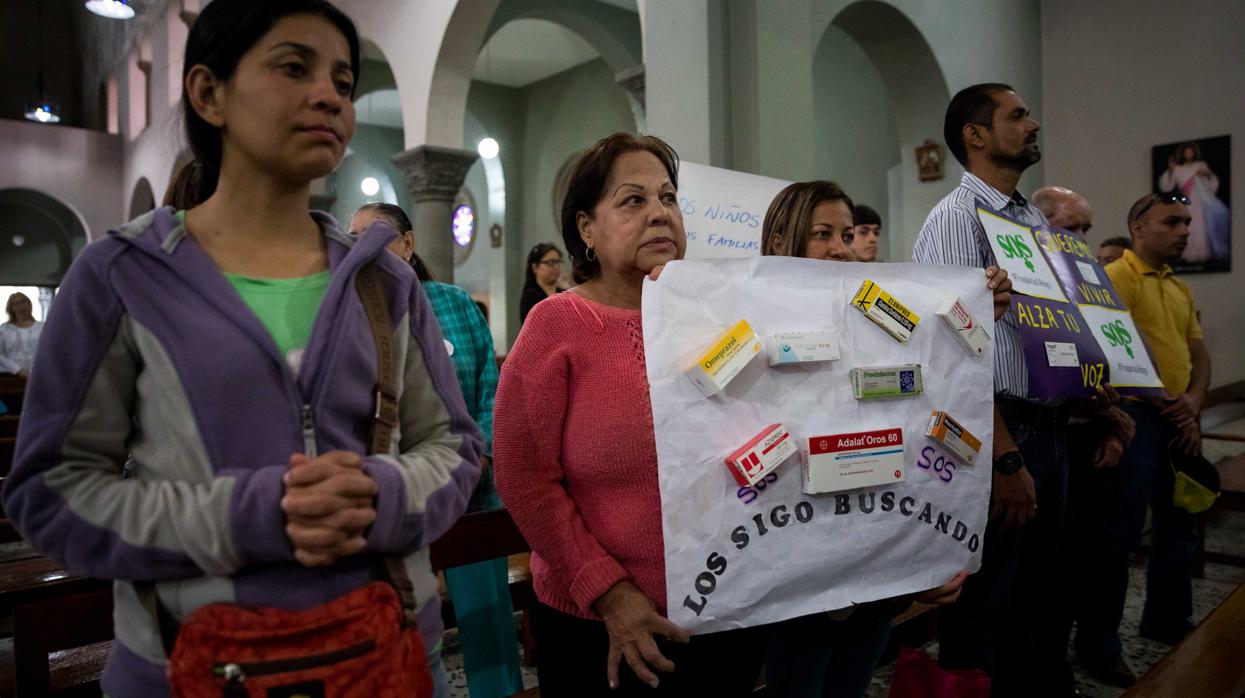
[[385, 414]]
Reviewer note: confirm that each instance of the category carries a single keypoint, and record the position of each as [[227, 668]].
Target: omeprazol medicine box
[[764, 452], [715, 368], [885, 311], [953, 437], [886, 381], [800, 347], [859, 459], [972, 336]]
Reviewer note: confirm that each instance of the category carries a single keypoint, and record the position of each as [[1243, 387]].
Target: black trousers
[[572, 653]]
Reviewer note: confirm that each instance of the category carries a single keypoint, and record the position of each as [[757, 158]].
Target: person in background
[[544, 266], [226, 351], [989, 130], [1098, 435], [867, 226], [1065, 209], [1112, 249], [481, 591], [19, 337], [1165, 313], [576, 454], [833, 655]]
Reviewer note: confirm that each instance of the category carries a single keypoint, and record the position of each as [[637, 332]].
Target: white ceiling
[[380, 108], [525, 51]]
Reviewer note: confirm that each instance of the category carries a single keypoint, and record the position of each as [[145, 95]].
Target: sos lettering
[[942, 465]]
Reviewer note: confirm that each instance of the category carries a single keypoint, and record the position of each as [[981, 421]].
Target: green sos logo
[[1014, 247], [1118, 336]]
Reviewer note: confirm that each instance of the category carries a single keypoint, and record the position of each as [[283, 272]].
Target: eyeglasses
[[1167, 197], [552, 263]]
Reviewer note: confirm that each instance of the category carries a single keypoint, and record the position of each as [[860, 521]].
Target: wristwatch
[[1009, 463]]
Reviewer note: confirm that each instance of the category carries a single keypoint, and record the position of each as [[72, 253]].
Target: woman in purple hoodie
[[227, 351]]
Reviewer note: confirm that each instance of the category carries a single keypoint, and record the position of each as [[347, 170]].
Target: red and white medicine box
[[764, 452], [837, 462]]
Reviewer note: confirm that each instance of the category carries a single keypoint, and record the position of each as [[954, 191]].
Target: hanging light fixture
[[112, 9], [43, 110]]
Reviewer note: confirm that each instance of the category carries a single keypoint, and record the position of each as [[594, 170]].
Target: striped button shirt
[[952, 234]]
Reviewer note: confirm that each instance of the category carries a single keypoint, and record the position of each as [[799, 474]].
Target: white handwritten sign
[[723, 210]]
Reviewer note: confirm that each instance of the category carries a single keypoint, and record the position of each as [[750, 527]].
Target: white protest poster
[[743, 556], [723, 210], [1017, 251], [1120, 340]]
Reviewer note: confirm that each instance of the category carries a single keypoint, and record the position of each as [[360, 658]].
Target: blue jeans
[[1109, 526], [815, 657], [436, 667], [1001, 623]]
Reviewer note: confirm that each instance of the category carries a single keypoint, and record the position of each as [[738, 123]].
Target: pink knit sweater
[[574, 454]]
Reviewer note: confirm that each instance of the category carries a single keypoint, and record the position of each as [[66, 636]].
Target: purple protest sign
[[1105, 317], [1074, 345], [1063, 358]]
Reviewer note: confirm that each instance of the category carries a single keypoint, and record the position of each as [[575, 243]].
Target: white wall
[[858, 140], [564, 114], [80, 167], [1123, 75]]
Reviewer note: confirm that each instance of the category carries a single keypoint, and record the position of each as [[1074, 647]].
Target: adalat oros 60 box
[[837, 462], [728, 355], [764, 452]]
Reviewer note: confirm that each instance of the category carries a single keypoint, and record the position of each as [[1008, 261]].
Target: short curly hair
[[586, 186]]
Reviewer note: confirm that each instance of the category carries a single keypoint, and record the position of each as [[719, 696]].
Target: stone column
[[322, 199], [435, 175]]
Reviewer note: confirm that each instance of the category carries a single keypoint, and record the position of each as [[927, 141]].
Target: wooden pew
[[62, 623], [1208, 662]]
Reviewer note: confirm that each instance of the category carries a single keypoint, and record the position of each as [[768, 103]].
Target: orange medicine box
[[954, 437], [764, 452]]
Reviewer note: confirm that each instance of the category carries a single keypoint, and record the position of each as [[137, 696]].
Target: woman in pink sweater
[[575, 457]]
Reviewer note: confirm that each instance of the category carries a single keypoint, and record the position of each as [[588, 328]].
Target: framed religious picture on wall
[[929, 161], [1201, 170]]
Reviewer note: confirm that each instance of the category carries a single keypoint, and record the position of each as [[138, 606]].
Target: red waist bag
[[356, 645], [918, 676]]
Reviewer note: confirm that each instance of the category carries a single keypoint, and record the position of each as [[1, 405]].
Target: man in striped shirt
[[989, 130]]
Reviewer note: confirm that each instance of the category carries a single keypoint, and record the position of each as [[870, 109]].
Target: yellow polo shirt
[[1162, 306]]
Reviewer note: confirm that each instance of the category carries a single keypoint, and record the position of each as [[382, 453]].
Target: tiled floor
[[1224, 532]]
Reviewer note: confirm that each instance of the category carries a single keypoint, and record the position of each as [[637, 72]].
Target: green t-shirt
[[286, 307]]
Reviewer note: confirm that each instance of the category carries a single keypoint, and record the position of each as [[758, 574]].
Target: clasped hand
[[328, 505]]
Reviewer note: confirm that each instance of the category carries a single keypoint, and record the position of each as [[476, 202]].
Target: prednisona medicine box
[[886, 381], [885, 311], [799, 347], [859, 459], [953, 437], [764, 452], [972, 336], [715, 368]]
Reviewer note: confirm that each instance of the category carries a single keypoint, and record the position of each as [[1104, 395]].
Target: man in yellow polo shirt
[[1164, 311]]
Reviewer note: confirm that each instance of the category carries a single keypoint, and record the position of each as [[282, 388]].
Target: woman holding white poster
[[834, 654], [575, 453]]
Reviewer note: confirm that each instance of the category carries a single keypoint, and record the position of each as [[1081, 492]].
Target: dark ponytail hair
[[223, 32], [401, 223]]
